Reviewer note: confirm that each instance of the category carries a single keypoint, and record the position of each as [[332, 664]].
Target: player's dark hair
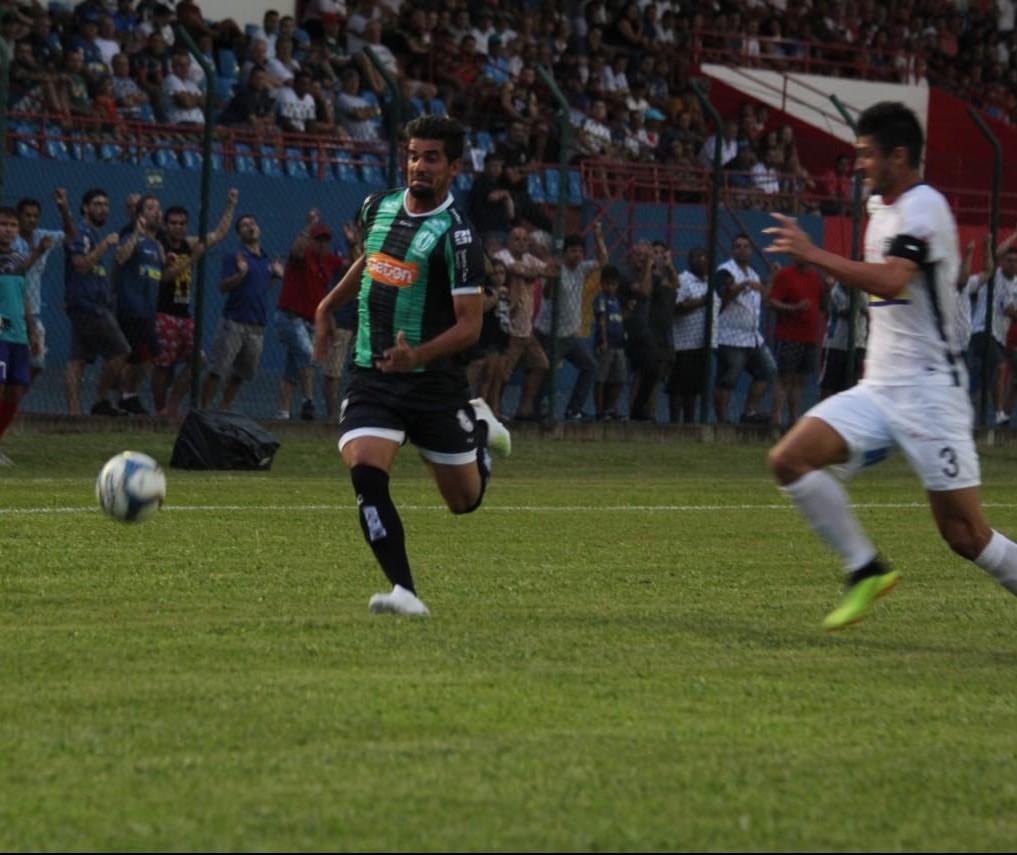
[[28, 202], [610, 273], [892, 125], [9, 212], [574, 239], [176, 211], [447, 130]]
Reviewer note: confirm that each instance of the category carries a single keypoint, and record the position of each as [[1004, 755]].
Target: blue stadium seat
[[269, 163], [552, 183], [416, 107], [146, 113], [484, 140], [536, 187], [191, 159], [25, 149], [344, 169], [110, 152], [57, 149], [165, 158], [295, 165], [464, 181], [575, 196], [371, 171], [83, 150], [225, 87], [437, 107], [226, 63], [243, 159]]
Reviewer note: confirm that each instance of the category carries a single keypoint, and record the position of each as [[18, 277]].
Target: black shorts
[[688, 376], [794, 357], [432, 412], [142, 336], [95, 334]]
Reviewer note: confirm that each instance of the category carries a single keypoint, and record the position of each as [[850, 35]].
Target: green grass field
[[624, 654]]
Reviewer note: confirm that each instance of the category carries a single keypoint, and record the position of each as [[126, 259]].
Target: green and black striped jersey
[[415, 265]]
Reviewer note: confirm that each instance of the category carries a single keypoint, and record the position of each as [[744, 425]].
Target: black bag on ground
[[217, 440]]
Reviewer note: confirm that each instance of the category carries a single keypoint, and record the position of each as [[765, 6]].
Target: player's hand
[[233, 196], [60, 197], [313, 216], [46, 243], [400, 358], [241, 264], [788, 237], [110, 241]]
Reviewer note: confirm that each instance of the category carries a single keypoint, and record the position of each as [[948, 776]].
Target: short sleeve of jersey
[[916, 236], [468, 259]]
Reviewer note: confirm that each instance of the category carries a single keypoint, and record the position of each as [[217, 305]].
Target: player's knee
[[785, 467], [465, 503]]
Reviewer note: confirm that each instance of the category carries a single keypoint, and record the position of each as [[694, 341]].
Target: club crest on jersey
[[387, 270], [424, 242]]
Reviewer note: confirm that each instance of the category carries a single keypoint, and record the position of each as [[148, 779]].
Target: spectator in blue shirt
[[247, 278]]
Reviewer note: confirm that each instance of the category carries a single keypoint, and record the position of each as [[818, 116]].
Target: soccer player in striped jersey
[[914, 391], [419, 291]]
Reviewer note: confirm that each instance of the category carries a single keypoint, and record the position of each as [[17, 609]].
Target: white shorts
[[931, 425]]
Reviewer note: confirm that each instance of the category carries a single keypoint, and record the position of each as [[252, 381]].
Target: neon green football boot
[[859, 598]]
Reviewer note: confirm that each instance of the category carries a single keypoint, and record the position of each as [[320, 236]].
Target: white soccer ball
[[131, 487]]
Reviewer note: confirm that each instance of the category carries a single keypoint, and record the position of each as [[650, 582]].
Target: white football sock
[[999, 560], [823, 501]]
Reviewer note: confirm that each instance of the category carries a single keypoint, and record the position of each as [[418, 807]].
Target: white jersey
[[913, 337]]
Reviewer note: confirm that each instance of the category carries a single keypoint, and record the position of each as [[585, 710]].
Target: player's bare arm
[[464, 333], [886, 279], [324, 327]]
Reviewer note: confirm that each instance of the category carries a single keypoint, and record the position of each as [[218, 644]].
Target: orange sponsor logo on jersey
[[391, 271]]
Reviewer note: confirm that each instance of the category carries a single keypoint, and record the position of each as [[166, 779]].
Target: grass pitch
[[624, 654]]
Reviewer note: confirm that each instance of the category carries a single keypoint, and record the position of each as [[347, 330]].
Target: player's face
[[875, 166], [430, 172]]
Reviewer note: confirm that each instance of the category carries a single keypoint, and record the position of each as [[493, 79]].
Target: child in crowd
[[612, 369]]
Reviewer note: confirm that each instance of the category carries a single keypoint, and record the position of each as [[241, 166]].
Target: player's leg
[[369, 454], [843, 429], [457, 448], [962, 524]]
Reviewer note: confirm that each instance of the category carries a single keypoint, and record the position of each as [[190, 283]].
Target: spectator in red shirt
[[799, 298], [310, 269]]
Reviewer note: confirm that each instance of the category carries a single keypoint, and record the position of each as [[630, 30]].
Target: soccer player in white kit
[[914, 391]]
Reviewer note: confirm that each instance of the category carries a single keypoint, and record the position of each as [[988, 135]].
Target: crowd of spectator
[[623, 67]]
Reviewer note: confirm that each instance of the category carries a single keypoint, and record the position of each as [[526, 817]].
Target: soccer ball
[[131, 487]]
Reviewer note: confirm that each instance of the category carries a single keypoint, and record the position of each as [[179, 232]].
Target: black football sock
[[381, 525], [483, 461], [874, 568]]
